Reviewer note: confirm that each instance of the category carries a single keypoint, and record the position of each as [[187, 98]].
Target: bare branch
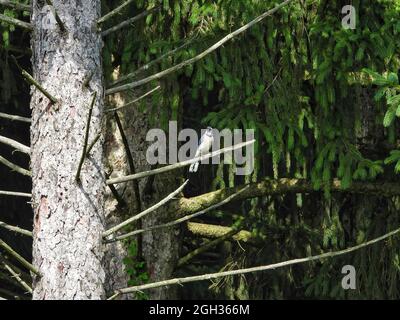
[[32, 81], [15, 229], [15, 167], [199, 56], [177, 221], [128, 22], [18, 278], [113, 12], [14, 117], [22, 260], [84, 150], [130, 159], [205, 247], [17, 194], [250, 270], [16, 22], [177, 165], [16, 5], [145, 212], [133, 101], [151, 63], [91, 145], [16, 145], [121, 202]]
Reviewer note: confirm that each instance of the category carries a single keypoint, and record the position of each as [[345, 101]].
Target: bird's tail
[[194, 166]]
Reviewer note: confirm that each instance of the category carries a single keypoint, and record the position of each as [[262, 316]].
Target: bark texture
[[161, 248], [68, 217]]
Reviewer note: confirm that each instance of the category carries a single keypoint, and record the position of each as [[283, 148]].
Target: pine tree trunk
[[161, 248], [68, 217]]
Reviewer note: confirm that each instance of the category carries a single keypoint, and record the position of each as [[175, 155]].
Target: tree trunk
[[68, 216], [160, 249]]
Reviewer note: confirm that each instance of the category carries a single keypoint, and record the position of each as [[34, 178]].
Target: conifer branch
[[14, 117], [16, 145], [199, 56], [251, 270], [15, 229], [205, 247], [146, 211], [22, 260], [15, 5], [177, 221], [17, 277], [177, 165], [16, 22], [128, 22], [149, 64], [113, 12], [133, 101], [16, 194], [15, 167]]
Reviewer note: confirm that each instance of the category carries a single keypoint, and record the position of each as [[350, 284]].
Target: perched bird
[[204, 147]]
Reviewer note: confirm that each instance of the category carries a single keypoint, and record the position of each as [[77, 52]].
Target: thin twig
[[17, 194], [145, 212], [199, 56], [177, 165], [91, 145], [113, 12], [121, 202], [18, 278], [178, 221], [125, 143], [32, 81], [56, 16], [133, 101], [14, 117], [16, 5], [85, 143], [205, 247], [253, 269], [22, 260], [149, 64], [12, 143], [15, 167], [16, 22], [15, 229], [130, 159], [128, 22]]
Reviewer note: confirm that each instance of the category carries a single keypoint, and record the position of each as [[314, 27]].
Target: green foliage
[[394, 158], [299, 80], [390, 88], [136, 270]]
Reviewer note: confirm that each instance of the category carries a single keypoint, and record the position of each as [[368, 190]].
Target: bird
[[204, 147]]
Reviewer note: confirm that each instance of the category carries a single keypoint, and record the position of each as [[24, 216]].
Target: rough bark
[[160, 249], [68, 217]]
